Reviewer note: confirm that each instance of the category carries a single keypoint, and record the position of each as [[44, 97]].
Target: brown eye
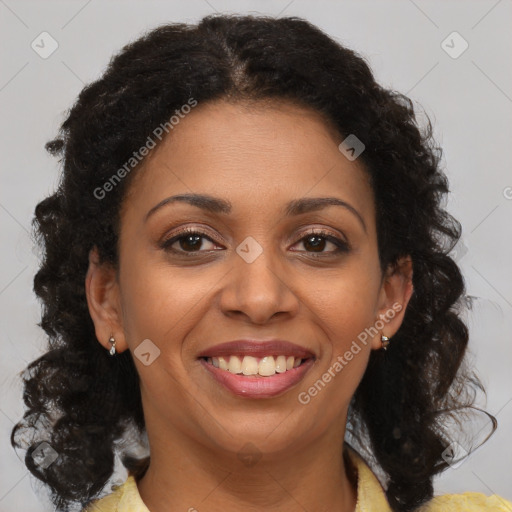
[[317, 241], [188, 241]]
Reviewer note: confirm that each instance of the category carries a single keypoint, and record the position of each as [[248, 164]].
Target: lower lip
[[259, 387]]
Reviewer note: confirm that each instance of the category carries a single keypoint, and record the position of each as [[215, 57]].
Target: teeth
[[280, 364], [267, 366], [249, 365], [235, 365]]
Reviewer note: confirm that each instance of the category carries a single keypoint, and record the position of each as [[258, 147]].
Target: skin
[[258, 157]]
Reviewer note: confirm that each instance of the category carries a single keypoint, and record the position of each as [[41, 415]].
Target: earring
[[112, 341], [385, 342]]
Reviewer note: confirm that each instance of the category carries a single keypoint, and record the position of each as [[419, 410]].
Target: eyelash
[[341, 245]]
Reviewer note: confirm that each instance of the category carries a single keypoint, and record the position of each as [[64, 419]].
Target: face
[[255, 259]]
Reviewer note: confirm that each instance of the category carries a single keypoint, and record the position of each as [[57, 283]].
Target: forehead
[[256, 153]]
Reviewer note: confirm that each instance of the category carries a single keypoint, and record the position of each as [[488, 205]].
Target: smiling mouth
[[250, 366]]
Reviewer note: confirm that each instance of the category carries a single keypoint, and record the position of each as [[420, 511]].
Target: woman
[[247, 260]]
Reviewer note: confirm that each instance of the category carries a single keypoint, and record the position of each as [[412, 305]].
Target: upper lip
[[257, 348]]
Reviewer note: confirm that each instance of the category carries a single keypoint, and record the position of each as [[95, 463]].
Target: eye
[[316, 241], [189, 241]]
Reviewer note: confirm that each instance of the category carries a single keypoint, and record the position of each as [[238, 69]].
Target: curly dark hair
[[81, 400]]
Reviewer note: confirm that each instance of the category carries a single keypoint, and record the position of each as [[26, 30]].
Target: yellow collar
[[370, 493]]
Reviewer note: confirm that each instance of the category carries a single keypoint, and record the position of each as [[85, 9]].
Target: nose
[[259, 290]]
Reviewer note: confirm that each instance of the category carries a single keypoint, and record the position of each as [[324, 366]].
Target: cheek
[[347, 354], [343, 361], [161, 302], [348, 301], [355, 313], [346, 307]]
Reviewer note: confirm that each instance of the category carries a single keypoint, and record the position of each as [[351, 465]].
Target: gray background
[[469, 98]]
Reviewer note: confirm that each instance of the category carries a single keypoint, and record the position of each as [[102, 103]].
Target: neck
[[184, 475]]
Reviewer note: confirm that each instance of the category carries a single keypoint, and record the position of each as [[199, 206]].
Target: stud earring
[[385, 342], [112, 341]]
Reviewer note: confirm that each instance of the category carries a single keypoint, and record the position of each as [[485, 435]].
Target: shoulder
[[109, 503], [467, 501], [125, 498], [371, 494]]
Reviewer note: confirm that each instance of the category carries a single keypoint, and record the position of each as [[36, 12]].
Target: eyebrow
[[220, 206]]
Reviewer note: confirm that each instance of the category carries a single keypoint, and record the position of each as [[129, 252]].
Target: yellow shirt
[[370, 497]]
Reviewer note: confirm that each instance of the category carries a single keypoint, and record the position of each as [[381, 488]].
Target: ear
[[394, 296], [102, 291]]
